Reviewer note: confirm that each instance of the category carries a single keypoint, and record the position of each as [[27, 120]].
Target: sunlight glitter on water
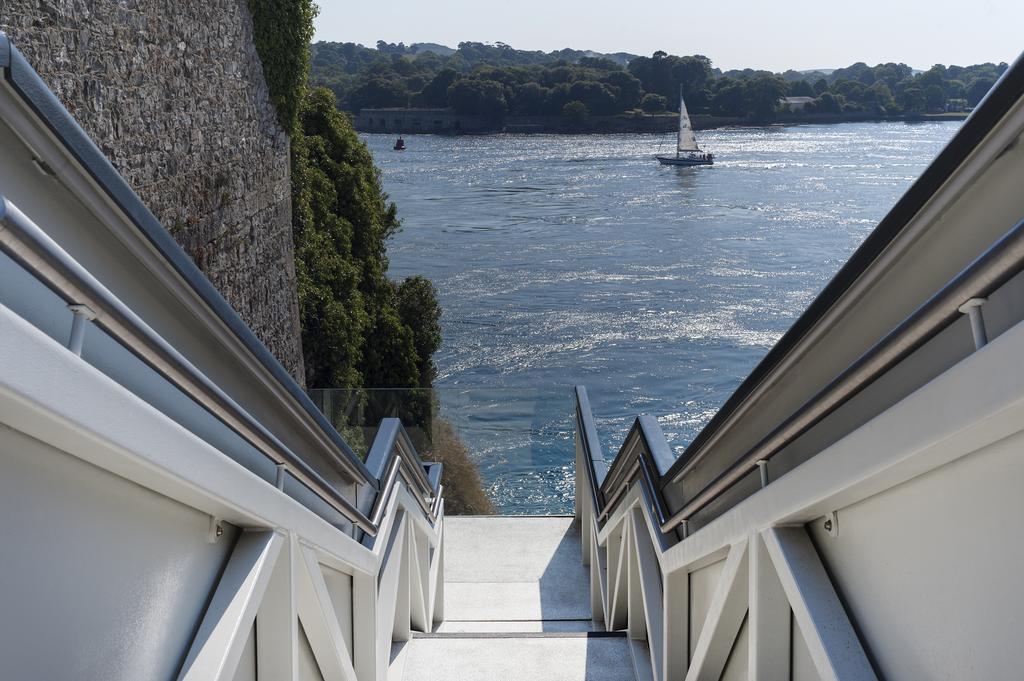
[[578, 259]]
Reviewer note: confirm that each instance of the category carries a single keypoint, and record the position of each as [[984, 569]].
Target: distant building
[[957, 105], [401, 120], [795, 103]]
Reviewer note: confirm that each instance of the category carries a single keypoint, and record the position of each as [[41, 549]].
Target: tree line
[[496, 81]]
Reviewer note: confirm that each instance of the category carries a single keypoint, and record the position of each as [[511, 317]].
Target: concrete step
[[515, 626], [500, 568], [548, 656], [517, 608]]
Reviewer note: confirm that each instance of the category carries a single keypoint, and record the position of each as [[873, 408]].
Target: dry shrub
[[463, 489]]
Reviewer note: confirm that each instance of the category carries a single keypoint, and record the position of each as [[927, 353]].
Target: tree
[[378, 92], [575, 113], [652, 103], [936, 75], [478, 97], [341, 218], [534, 82], [852, 90], [762, 96], [419, 310], [529, 100], [556, 98], [692, 74], [358, 328], [978, 88], [655, 74], [911, 99], [391, 48], [596, 96], [879, 96], [829, 103], [435, 93], [954, 89], [630, 90], [729, 98], [935, 98], [800, 88]]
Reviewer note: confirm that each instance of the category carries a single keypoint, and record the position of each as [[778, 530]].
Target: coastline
[[405, 121]]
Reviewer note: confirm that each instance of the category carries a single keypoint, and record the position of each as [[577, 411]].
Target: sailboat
[[687, 151]]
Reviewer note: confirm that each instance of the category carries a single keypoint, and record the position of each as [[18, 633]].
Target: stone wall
[[173, 93]]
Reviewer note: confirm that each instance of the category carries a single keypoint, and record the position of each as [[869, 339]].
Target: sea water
[[563, 260]]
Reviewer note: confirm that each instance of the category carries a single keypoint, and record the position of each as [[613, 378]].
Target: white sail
[[685, 141]]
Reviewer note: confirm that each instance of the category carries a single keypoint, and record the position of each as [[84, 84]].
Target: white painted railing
[[294, 575], [291, 590], [755, 592]]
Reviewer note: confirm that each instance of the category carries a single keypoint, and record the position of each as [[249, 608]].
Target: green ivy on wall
[[282, 31], [358, 328]]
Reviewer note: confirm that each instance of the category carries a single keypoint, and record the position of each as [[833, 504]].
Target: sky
[[798, 34]]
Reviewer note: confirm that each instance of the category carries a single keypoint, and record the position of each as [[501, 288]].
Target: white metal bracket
[[972, 308], [82, 314]]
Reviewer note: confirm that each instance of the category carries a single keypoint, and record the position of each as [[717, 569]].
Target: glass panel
[[521, 440]]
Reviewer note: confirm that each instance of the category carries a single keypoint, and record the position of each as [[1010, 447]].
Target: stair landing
[[514, 574], [517, 607]]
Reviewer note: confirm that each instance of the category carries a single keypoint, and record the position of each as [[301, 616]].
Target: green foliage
[[478, 98], [762, 94], [419, 311], [629, 90], [666, 75], [575, 113], [911, 99], [800, 88], [978, 88], [729, 98], [435, 93], [529, 100], [495, 80], [597, 98], [652, 103], [829, 103], [935, 97], [282, 30], [378, 92], [359, 329]]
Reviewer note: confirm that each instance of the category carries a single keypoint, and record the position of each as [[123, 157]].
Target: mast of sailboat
[[679, 132]]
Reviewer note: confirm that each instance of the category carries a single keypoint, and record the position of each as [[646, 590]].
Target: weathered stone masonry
[[173, 93]]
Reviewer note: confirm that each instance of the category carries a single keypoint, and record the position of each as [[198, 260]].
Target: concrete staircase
[[517, 607]]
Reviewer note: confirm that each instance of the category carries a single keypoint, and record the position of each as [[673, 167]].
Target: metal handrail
[[644, 457], [380, 503], [645, 447], [655, 450], [636, 459], [993, 268], [590, 445], [392, 440], [392, 450], [34, 250], [997, 265]]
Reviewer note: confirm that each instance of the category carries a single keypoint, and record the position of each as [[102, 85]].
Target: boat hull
[[674, 161]]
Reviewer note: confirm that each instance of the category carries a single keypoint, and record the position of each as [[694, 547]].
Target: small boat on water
[[687, 151], [400, 144]]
